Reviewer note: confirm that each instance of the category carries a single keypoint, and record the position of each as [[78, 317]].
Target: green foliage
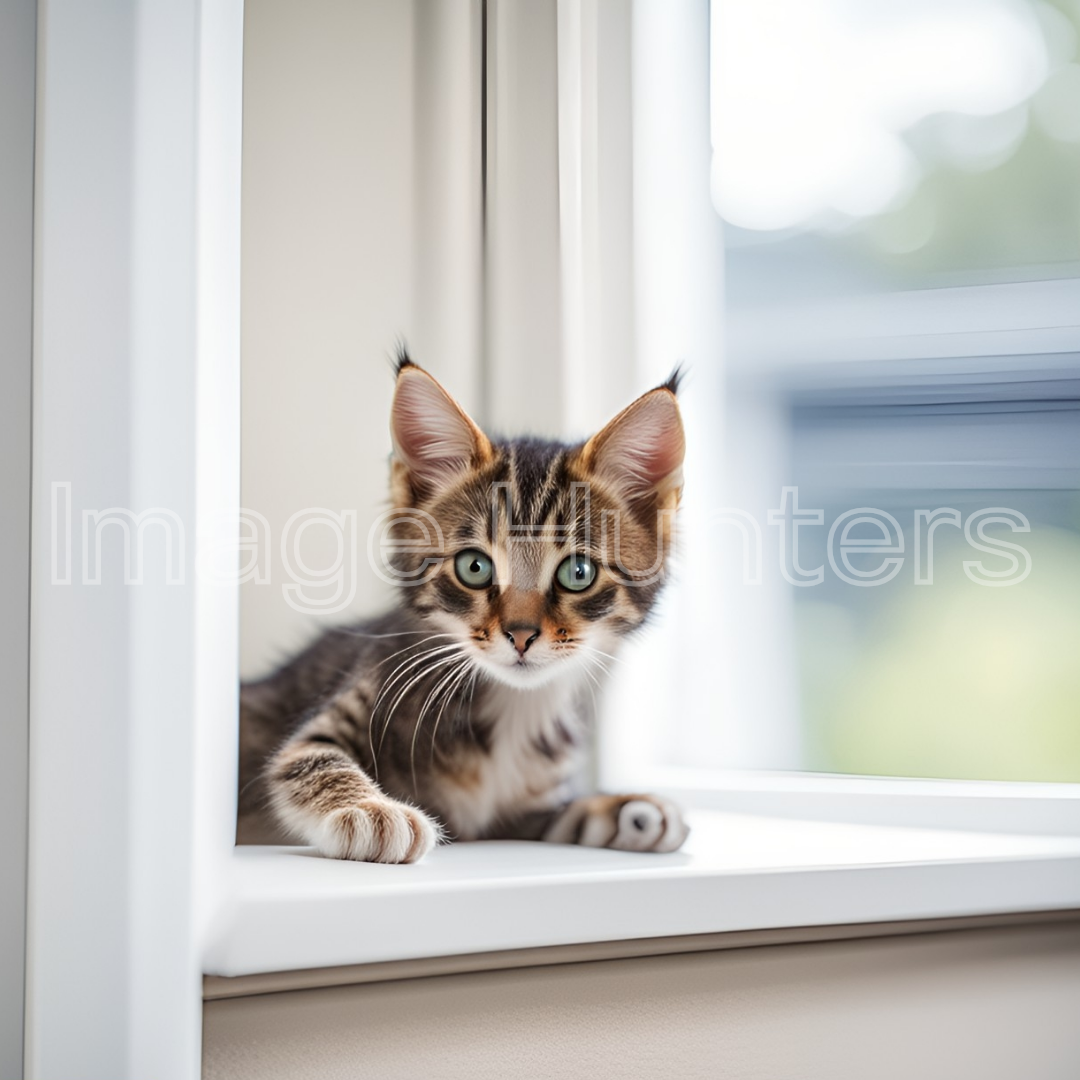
[[952, 679]]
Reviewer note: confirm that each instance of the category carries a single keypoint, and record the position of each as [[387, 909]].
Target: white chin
[[519, 676]]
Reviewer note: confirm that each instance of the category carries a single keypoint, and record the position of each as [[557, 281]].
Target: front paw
[[377, 830], [623, 822]]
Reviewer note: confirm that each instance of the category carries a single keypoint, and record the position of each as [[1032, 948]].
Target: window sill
[[287, 909]]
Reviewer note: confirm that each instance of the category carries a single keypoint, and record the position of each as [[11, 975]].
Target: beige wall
[[967, 1005], [327, 278]]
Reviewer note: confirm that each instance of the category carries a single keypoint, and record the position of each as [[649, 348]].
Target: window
[[902, 251], [134, 883], [874, 280]]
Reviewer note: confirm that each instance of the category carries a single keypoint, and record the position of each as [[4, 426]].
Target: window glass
[[866, 144], [900, 187]]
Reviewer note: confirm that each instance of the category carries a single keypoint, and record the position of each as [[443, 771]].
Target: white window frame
[[133, 710]]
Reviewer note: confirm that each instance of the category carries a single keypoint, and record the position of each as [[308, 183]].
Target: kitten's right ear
[[434, 438]]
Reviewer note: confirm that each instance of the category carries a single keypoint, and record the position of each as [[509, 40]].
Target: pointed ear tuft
[[402, 359], [641, 450], [434, 438], [674, 380]]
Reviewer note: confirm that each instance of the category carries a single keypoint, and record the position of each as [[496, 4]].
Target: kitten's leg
[[321, 795], [624, 822]]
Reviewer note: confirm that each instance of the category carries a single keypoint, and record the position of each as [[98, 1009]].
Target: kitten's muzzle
[[521, 636]]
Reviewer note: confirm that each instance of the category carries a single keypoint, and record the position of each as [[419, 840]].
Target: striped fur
[[467, 711]]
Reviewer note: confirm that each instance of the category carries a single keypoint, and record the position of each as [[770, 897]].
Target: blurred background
[[857, 222], [900, 190]]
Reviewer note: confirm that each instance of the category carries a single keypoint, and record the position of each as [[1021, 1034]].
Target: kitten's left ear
[[641, 451]]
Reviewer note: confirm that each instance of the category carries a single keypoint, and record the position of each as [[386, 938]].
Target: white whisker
[[468, 669], [411, 646], [413, 681], [600, 652], [596, 682], [445, 681], [408, 665], [397, 674]]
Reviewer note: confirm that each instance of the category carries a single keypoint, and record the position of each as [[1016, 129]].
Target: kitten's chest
[[537, 748]]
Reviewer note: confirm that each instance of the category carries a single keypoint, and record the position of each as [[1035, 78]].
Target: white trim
[[1005, 807], [961, 323], [136, 376], [596, 212], [217, 444], [288, 911]]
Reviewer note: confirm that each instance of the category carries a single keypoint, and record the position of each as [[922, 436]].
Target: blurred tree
[[952, 680], [987, 201]]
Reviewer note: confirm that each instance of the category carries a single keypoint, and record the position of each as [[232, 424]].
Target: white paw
[[623, 822], [649, 825], [377, 830]]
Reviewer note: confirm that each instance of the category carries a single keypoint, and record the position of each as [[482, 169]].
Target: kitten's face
[[532, 557]]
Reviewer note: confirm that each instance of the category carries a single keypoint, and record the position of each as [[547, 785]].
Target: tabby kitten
[[466, 712]]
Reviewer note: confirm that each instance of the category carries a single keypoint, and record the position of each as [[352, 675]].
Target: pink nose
[[521, 637]]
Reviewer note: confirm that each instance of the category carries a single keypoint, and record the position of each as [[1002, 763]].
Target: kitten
[[466, 712]]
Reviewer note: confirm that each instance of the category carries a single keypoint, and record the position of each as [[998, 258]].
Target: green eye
[[576, 573], [474, 569]]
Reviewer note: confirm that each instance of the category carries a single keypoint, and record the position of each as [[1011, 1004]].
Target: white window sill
[[287, 909]]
